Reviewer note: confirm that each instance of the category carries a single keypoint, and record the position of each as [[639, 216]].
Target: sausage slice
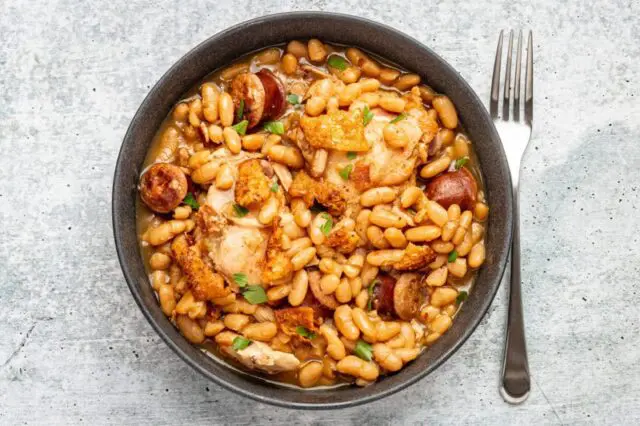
[[407, 296], [383, 295], [163, 187], [275, 99], [263, 94], [459, 187], [247, 87]]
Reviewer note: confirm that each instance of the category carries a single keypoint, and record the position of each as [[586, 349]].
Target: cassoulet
[[313, 214]]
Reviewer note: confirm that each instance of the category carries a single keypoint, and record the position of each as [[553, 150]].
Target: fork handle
[[516, 381]]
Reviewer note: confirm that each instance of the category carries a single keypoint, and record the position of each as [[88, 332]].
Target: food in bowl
[[312, 214]]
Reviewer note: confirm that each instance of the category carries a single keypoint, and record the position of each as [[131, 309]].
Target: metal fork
[[515, 134]]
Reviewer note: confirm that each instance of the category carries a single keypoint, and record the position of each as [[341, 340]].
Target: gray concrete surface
[[74, 347]]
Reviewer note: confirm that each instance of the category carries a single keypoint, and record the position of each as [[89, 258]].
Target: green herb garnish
[[346, 171], [241, 279], [241, 127], [453, 256], [240, 111], [239, 343], [240, 211], [190, 200], [293, 99], [460, 162], [370, 292], [363, 350], [275, 127], [462, 296], [337, 62], [304, 332], [352, 155], [402, 116], [367, 115], [274, 187], [254, 294], [327, 225]]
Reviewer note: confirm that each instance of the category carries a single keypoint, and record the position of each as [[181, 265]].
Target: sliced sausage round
[[407, 296], [163, 187], [459, 187], [383, 295], [275, 95], [247, 89]]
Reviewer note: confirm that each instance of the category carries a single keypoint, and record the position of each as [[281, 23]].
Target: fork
[[515, 134]]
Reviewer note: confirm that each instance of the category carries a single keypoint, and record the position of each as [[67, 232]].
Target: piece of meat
[[389, 166], [407, 296], [163, 187], [239, 249], [326, 300], [275, 102], [339, 130], [330, 195], [360, 176], [277, 268], [259, 356], [247, 89], [253, 186], [303, 186], [205, 284], [457, 187], [343, 240], [383, 295], [415, 258], [290, 318]]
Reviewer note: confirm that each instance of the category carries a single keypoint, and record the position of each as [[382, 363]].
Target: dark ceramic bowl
[[390, 44]]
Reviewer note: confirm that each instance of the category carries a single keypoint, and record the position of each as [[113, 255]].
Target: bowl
[[379, 39]]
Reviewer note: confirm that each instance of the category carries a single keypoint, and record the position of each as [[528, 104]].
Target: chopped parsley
[[293, 99], [462, 296], [327, 225], [190, 200], [367, 115], [363, 350], [241, 127], [305, 332], [370, 292], [254, 294], [274, 187], [275, 127], [352, 155], [239, 343], [346, 171], [240, 211], [460, 162], [337, 62], [241, 279], [240, 111], [452, 256], [400, 117]]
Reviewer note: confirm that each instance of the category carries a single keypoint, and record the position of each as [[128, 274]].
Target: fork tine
[[495, 83], [516, 90], [507, 79], [528, 88]]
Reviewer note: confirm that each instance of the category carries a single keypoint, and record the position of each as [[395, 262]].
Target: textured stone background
[[74, 347]]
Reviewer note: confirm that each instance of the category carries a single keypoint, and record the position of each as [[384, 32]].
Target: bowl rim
[[265, 398]]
